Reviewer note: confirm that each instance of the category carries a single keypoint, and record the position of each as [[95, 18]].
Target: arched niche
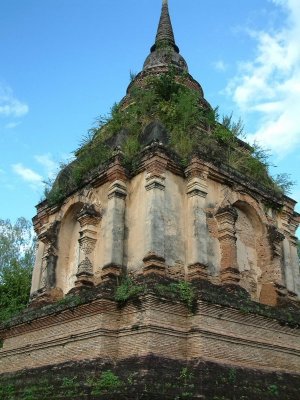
[[252, 248], [68, 249]]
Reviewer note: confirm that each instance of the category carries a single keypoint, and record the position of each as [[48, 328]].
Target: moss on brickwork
[[148, 378]]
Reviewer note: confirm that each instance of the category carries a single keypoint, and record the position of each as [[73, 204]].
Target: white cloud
[[28, 175], [10, 106], [12, 125], [49, 165], [4, 181], [220, 65], [36, 180], [269, 85]]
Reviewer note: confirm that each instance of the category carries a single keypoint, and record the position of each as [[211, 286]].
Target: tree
[[16, 263]]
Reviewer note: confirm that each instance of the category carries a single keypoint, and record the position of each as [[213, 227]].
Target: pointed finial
[[165, 33], [165, 52]]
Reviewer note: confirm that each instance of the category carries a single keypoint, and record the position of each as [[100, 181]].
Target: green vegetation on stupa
[[192, 127]]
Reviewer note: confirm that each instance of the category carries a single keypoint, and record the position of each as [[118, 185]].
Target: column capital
[[156, 165], [155, 182], [154, 263], [226, 214], [117, 189], [49, 234], [116, 171], [88, 215], [197, 169], [197, 187]]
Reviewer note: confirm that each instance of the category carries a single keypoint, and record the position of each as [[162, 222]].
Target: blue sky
[[65, 62]]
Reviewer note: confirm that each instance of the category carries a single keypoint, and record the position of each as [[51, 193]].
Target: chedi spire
[[165, 52], [165, 34]]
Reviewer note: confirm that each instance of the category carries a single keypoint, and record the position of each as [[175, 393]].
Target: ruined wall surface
[[101, 329], [149, 378], [178, 224]]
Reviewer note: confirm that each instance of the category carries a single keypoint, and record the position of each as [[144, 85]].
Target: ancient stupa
[[166, 262]]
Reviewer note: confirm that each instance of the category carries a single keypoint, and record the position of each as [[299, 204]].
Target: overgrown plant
[[181, 290], [192, 126], [108, 382], [70, 386], [127, 290]]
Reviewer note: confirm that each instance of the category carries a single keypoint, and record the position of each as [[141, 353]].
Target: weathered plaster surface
[[196, 220]]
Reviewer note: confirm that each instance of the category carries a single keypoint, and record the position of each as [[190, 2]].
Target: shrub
[[127, 290], [108, 382], [182, 290]]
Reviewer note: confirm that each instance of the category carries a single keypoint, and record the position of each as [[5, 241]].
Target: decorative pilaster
[[294, 223], [226, 218], [287, 253], [273, 289], [88, 219], [275, 239], [37, 269], [45, 290], [154, 259], [197, 234], [114, 237], [49, 238]]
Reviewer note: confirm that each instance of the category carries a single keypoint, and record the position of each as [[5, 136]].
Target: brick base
[[151, 325]]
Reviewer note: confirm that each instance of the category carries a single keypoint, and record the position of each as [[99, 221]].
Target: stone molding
[[197, 187], [156, 165], [154, 263], [116, 171], [85, 267], [111, 272], [117, 189], [87, 244], [155, 182], [197, 169], [197, 272]]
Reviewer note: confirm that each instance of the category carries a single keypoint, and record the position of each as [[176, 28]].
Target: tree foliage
[[16, 263]]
